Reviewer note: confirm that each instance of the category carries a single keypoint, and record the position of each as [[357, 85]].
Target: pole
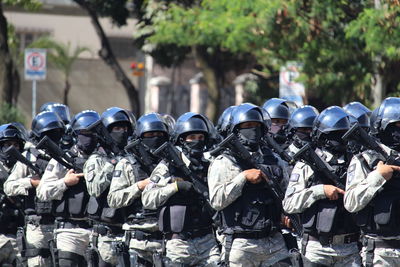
[[33, 98]]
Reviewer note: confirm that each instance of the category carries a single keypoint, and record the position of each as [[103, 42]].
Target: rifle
[[239, 151], [58, 154], [358, 134], [13, 153], [102, 132], [317, 164], [278, 149], [142, 155], [169, 153]]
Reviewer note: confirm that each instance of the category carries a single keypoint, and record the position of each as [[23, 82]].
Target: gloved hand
[[184, 186]]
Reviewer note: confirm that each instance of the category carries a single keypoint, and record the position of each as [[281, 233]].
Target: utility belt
[[141, 235], [70, 224], [103, 229], [189, 234], [382, 243], [333, 240], [39, 219], [254, 235]]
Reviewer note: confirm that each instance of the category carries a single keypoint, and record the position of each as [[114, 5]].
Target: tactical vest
[[328, 217], [32, 205], [255, 210], [75, 199], [382, 214], [184, 212]]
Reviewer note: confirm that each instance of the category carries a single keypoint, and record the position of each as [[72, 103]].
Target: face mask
[[335, 143], [154, 142], [86, 142], [301, 139], [194, 148], [54, 135], [275, 128], [250, 138], [120, 138], [391, 137], [6, 159]]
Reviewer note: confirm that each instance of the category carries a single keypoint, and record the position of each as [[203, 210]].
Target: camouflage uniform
[[72, 231], [124, 191], [300, 196], [38, 230], [226, 182], [98, 173], [190, 251], [366, 187]]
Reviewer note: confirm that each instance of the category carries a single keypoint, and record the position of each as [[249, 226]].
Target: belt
[[69, 224], [336, 239], [189, 234], [140, 235], [254, 235], [102, 229], [383, 243]]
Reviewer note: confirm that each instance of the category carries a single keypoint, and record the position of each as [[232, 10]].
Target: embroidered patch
[[50, 167], [117, 173], [294, 177], [350, 173], [91, 168]]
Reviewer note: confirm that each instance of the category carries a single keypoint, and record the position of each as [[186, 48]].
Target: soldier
[[67, 190], [131, 176], [330, 233], [279, 113], [183, 216], [250, 214], [33, 242], [300, 126], [11, 216], [373, 192], [223, 121], [98, 171]]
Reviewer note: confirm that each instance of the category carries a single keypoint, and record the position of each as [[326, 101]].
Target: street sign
[[289, 88], [35, 64]]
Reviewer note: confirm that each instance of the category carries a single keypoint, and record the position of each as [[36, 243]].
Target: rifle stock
[[279, 150]]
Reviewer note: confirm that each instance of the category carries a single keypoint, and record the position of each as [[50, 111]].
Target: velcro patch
[[155, 179], [117, 173], [50, 167], [294, 177], [91, 168]]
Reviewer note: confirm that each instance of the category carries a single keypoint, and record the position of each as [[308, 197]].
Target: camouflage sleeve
[[225, 182], [160, 188], [298, 197], [123, 189], [19, 181], [52, 186], [98, 173], [361, 185]]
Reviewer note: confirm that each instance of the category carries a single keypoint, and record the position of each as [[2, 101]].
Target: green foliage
[[31, 5], [9, 114], [61, 55]]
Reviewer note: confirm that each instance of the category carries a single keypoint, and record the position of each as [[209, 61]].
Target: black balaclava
[[86, 142], [250, 137], [152, 143], [301, 138], [334, 143], [193, 148], [55, 135], [278, 132], [120, 137], [391, 136]]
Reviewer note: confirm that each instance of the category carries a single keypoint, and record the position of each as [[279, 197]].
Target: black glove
[[184, 186]]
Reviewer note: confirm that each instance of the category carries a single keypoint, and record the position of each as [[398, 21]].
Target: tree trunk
[[378, 84], [9, 78], [108, 56], [67, 87], [211, 81]]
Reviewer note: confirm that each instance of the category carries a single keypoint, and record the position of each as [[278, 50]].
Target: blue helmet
[[46, 105], [46, 121], [170, 121], [61, 110], [84, 119], [151, 122], [360, 112], [117, 115], [10, 131], [331, 119], [187, 123], [388, 112], [246, 112], [303, 117], [224, 121], [277, 108]]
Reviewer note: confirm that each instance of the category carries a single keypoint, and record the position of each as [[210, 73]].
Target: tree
[[9, 78], [118, 12], [62, 57]]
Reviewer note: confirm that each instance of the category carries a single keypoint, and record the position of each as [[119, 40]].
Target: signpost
[[288, 87], [35, 69]]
